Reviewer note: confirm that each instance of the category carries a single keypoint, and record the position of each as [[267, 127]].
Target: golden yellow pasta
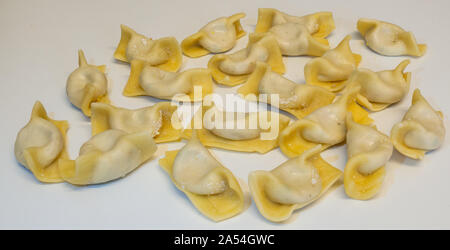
[[40, 144], [219, 35], [157, 120], [164, 53], [87, 84], [368, 151], [211, 187], [421, 130], [293, 185], [107, 156], [389, 39], [297, 99], [324, 126], [297, 36], [381, 89], [261, 138], [151, 81], [333, 68], [234, 69]]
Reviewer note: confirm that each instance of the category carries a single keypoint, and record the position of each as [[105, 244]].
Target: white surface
[[38, 48]]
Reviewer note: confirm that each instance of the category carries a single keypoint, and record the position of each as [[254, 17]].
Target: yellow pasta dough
[[107, 156], [211, 187], [234, 69], [293, 185], [381, 89], [87, 84], [258, 138], [151, 81], [421, 130], [164, 53], [219, 35], [40, 144], [297, 36], [157, 120], [324, 126], [333, 68], [389, 39], [297, 99], [368, 151]]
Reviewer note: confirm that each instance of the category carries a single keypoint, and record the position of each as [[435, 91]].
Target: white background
[[38, 50]]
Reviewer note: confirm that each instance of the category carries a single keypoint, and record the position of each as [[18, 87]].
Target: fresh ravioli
[[164, 53], [233, 69], [389, 39], [41, 144], [325, 126], [368, 151], [297, 99], [297, 36], [87, 84], [381, 89], [108, 156], [211, 187], [333, 68], [421, 130], [293, 185], [218, 36], [159, 120], [152, 81], [239, 131]]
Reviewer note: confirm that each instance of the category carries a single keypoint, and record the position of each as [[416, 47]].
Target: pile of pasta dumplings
[[330, 109]]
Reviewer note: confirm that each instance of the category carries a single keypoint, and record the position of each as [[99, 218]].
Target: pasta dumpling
[[234, 69], [383, 88], [297, 99], [324, 126], [217, 36], [297, 36], [40, 144], [156, 120], [294, 184], [87, 84], [389, 39], [422, 129], [107, 156], [211, 187], [368, 151], [333, 68], [164, 53], [151, 81], [238, 131]]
